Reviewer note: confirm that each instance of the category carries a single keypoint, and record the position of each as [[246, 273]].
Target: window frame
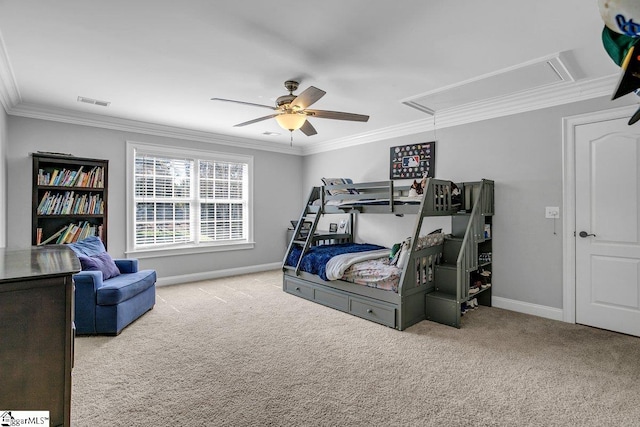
[[132, 149]]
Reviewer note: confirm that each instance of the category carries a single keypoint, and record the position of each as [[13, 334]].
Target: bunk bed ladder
[[306, 241]]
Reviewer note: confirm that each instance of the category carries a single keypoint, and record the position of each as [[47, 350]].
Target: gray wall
[[276, 192], [523, 154], [3, 178]]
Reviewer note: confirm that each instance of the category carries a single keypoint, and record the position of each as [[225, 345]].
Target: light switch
[[552, 212]]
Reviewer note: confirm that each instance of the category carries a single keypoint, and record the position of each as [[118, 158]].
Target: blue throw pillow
[[88, 247], [100, 262]]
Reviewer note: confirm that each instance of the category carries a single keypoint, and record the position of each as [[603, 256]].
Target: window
[[187, 200]]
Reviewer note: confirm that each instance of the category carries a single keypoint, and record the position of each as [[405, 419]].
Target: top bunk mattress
[[439, 197], [401, 200]]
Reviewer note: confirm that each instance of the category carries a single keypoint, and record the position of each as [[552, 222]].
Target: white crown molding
[[126, 125], [550, 96], [9, 93]]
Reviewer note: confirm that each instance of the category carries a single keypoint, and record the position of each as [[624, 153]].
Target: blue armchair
[[109, 294]]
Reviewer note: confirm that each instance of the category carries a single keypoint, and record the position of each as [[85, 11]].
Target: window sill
[[188, 250]]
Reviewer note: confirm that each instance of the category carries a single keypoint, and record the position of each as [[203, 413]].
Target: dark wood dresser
[[36, 330]]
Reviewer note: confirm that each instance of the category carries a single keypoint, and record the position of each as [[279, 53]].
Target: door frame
[[569, 125]]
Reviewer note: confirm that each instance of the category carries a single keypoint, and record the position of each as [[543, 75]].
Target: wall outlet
[[552, 212]]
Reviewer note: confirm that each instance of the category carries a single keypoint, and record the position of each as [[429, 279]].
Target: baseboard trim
[[498, 302], [528, 308], [208, 275]]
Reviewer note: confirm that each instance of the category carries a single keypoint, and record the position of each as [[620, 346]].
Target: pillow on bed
[[339, 181], [405, 250], [394, 252], [434, 238], [402, 255]]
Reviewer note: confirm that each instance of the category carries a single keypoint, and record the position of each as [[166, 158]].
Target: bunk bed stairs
[[470, 230]]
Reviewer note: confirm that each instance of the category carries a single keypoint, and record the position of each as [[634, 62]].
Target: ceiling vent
[[93, 101], [526, 77]]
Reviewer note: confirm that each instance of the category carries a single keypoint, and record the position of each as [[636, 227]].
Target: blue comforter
[[315, 260]]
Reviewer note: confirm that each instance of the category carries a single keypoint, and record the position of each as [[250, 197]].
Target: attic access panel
[[412, 161], [524, 78]]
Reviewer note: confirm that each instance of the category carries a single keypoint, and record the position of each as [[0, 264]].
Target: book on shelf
[[72, 178], [71, 233], [67, 236], [43, 202], [70, 203], [54, 175], [38, 235], [55, 235]]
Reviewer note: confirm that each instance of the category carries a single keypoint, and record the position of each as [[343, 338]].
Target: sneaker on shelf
[[488, 285], [473, 291]]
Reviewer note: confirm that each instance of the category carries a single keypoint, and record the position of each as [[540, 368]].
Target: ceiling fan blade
[[308, 129], [250, 122], [308, 97], [244, 103], [337, 115]]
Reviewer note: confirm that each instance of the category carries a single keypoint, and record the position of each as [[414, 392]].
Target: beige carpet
[[241, 352]]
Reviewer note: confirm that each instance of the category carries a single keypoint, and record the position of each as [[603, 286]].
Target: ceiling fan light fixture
[[291, 121]]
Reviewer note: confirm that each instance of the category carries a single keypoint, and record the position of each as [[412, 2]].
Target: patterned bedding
[[375, 273], [360, 263], [316, 258], [338, 264]]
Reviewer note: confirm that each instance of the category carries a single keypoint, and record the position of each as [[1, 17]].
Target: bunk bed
[[397, 296]]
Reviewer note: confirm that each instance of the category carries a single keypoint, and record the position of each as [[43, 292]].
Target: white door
[[608, 225]]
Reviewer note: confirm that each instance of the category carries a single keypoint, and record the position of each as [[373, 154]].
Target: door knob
[[584, 234]]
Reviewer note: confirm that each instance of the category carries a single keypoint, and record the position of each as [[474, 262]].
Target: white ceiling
[[160, 61]]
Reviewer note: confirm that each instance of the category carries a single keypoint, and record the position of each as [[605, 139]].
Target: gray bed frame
[[396, 310]]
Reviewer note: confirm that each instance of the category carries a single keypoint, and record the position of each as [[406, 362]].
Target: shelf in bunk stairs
[[442, 305]]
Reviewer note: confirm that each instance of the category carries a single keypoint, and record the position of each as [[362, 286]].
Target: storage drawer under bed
[[366, 308], [332, 299], [298, 288], [373, 311]]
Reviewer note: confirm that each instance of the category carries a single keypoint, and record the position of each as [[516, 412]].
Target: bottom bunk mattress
[[368, 264], [360, 263], [317, 257]]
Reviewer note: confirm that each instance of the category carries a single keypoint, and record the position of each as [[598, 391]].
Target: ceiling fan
[[292, 112]]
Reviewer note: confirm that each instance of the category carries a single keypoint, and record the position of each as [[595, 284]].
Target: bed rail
[[386, 197]]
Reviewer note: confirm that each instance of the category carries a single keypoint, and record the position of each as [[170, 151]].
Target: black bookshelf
[[69, 198]]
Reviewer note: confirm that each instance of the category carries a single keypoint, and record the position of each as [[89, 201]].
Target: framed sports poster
[[413, 161]]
